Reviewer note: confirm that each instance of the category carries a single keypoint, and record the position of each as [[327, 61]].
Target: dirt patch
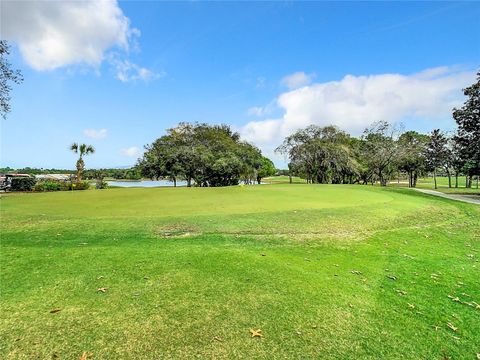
[[176, 230]]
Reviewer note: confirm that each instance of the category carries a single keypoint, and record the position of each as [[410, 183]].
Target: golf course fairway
[[321, 271]]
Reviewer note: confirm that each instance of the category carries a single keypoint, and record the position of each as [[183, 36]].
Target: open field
[[325, 271]]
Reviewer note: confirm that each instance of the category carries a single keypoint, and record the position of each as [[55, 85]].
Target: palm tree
[[82, 149]]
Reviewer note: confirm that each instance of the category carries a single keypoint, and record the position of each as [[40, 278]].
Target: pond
[[145, 183]]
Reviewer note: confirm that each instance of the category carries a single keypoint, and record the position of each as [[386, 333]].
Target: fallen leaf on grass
[[256, 333], [456, 298], [85, 355], [452, 327], [478, 356], [356, 272], [54, 311], [474, 304], [411, 306], [100, 277], [217, 338], [103, 290], [392, 277], [401, 292]]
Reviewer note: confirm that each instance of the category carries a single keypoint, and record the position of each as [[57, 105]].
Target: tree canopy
[[204, 155], [7, 76], [468, 133], [320, 154]]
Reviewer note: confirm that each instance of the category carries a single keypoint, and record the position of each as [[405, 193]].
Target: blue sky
[[117, 75]]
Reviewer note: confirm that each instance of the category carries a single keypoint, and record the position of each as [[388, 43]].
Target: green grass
[[189, 271], [282, 179], [442, 185]]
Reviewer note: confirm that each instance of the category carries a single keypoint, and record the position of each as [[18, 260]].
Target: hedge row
[[52, 185], [30, 184]]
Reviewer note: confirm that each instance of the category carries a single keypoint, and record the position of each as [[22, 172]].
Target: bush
[[81, 185], [51, 185], [101, 184], [23, 183]]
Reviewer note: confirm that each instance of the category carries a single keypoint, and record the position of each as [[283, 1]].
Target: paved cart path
[[472, 199]]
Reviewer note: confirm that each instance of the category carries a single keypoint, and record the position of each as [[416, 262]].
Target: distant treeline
[[120, 174]]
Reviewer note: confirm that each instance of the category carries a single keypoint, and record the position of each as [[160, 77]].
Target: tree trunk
[[449, 178], [467, 182], [189, 182], [174, 182], [80, 168], [456, 179], [435, 177], [290, 179], [415, 177]]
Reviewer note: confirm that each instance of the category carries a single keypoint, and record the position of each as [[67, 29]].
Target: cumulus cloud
[[354, 102], [132, 151], [95, 134], [296, 80], [55, 34]]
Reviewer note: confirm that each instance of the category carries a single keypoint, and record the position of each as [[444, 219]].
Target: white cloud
[[95, 134], [263, 110], [52, 34], [256, 110], [131, 151], [127, 71], [55, 34], [354, 102], [296, 80]]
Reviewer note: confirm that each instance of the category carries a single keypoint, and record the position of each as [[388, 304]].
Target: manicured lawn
[[282, 179], [442, 185], [325, 271]]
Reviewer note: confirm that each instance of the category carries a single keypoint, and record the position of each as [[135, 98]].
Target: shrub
[[81, 185], [101, 184], [51, 185], [23, 183]]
